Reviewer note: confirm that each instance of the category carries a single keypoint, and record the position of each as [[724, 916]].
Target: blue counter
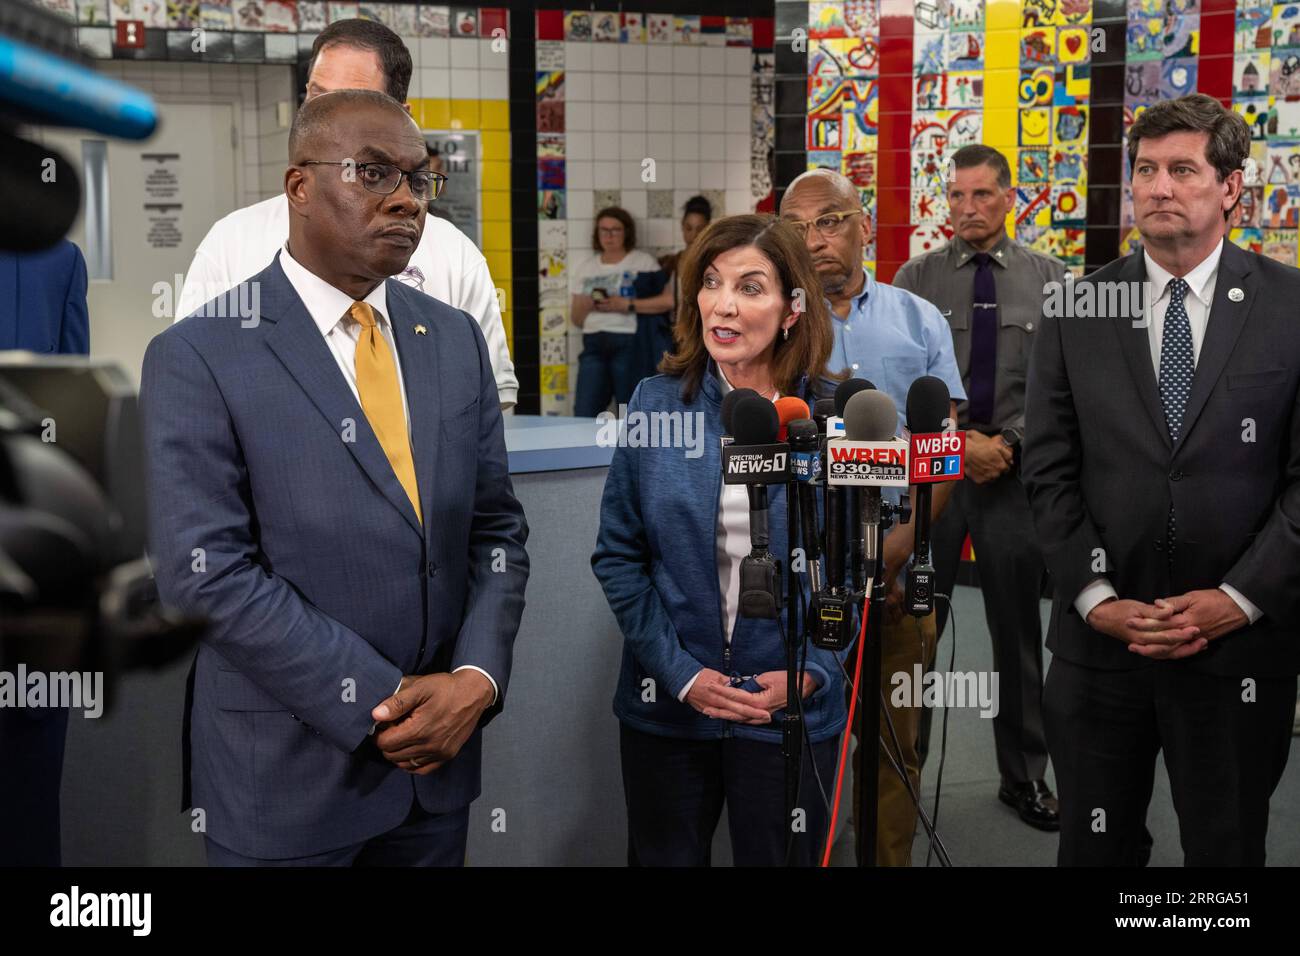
[[554, 443]]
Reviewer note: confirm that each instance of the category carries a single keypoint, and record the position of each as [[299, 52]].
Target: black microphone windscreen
[[824, 408], [754, 421], [35, 211], [802, 432], [846, 390], [870, 416], [729, 405], [927, 405]]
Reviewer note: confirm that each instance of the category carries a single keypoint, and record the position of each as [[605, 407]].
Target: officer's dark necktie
[[1177, 363], [983, 341]]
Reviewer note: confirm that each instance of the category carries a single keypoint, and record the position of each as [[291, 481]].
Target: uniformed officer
[[991, 290]]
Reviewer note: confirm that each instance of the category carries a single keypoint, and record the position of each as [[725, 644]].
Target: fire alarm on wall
[[130, 33]]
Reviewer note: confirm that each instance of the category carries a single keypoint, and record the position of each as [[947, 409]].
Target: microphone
[[870, 420], [805, 463], [843, 393], [729, 406], [755, 459], [928, 404], [789, 409]]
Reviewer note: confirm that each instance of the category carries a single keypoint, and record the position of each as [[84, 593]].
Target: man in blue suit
[[43, 300], [42, 309], [328, 486]]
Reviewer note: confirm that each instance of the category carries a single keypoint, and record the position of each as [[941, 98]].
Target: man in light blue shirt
[[891, 338]]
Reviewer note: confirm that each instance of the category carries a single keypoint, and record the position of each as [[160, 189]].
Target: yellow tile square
[[465, 114], [1001, 15], [437, 114], [496, 143], [498, 261], [496, 236], [496, 174], [494, 114], [1001, 128], [496, 205], [1001, 89], [1001, 50]]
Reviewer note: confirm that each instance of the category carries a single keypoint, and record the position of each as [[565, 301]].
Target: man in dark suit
[[43, 300], [43, 310], [1162, 460], [328, 486]]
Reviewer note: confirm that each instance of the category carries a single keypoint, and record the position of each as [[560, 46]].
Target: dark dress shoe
[[1034, 802]]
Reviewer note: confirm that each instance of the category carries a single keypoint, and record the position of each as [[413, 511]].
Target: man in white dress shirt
[[362, 55]]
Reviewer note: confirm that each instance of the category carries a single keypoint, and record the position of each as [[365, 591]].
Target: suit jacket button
[[1175, 475], [1158, 545], [432, 569]]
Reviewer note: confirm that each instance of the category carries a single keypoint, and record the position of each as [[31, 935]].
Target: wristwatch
[[1013, 436]]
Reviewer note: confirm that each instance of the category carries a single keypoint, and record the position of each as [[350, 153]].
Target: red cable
[[848, 729]]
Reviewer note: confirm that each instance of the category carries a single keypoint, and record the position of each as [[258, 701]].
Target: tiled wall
[[462, 83], [1053, 84], [641, 111]]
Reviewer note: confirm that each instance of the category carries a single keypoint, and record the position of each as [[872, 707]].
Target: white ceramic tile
[[686, 118], [686, 175], [606, 175], [659, 59], [605, 56], [632, 57], [737, 175], [686, 89], [712, 145], [435, 51], [632, 117], [737, 148], [577, 116], [578, 146], [577, 86], [580, 207], [659, 117], [464, 54], [634, 201], [712, 176], [464, 84], [737, 121], [739, 202], [494, 85], [632, 146], [686, 59], [604, 116], [740, 61], [577, 56], [687, 146], [605, 144], [632, 87], [659, 232], [712, 90], [578, 175], [738, 90], [490, 58], [632, 173]]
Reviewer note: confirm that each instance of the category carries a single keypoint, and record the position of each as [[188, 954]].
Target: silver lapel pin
[[1236, 295]]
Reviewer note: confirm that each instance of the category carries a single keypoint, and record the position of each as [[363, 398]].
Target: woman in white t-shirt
[[608, 366]]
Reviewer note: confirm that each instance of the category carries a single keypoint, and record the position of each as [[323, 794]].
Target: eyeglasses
[[384, 178], [829, 225]]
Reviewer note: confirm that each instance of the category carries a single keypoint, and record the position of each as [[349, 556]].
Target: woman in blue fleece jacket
[[668, 554]]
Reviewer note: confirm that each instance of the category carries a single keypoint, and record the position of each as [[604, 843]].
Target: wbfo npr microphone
[[936, 455]]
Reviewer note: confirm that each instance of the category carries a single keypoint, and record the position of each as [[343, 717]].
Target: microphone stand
[[868, 809], [792, 726]]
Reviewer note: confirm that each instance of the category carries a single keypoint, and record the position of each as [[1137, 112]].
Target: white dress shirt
[[445, 265], [1200, 296], [329, 309]]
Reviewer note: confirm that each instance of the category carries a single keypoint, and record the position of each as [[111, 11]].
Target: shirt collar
[[1197, 279], [325, 304], [965, 251]]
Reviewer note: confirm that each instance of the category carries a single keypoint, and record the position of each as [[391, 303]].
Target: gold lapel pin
[[421, 330]]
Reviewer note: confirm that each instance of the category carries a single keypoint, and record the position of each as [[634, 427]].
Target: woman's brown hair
[[623, 216], [807, 350]]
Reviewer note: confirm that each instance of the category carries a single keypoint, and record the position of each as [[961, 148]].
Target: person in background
[[43, 301], [668, 554], [891, 338], [655, 293], [357, 55], [607, 367], [438, 165], [991, 290], [43, 310]]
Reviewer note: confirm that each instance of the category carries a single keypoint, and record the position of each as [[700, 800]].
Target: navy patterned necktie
[[983, 341], [1177, 363]]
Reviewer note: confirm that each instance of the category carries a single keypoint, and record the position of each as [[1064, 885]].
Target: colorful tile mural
[[1017, 75]]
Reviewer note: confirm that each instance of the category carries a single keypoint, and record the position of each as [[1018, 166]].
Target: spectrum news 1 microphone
[[755, 459], [936, 455], [729, 406]]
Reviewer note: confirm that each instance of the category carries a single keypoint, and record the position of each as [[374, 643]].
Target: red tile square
[[550, 24], [492, 18], [764, 32]]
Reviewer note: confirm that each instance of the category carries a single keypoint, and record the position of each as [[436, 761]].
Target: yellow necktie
[[381, 398]]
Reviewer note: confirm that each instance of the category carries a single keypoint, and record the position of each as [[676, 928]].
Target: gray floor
[[979, 831]]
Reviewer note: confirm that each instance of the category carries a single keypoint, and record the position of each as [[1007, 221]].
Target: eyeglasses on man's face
[[829, 224], [385, 178]]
